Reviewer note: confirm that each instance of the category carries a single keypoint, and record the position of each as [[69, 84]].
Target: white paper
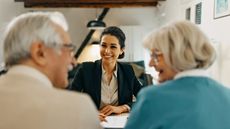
[[116, 121]]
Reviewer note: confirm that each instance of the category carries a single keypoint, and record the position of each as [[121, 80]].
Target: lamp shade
[[90, 53], [95, 24]]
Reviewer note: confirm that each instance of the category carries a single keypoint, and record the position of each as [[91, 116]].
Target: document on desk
[[115, 121]]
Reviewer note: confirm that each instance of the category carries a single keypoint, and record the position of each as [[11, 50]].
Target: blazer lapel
[[97, 83], [120, 83]]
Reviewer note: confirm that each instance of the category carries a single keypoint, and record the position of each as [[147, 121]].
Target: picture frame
[[188, 14], [221, 8], [198, 13]]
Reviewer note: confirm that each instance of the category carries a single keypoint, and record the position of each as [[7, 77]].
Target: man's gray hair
[[31, 27]]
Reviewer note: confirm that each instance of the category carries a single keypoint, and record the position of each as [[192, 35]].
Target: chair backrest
[[139, 70]]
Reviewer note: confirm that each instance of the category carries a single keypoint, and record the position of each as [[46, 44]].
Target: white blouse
[[109, 90]]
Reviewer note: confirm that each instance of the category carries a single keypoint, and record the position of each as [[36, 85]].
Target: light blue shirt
[[190, 101]]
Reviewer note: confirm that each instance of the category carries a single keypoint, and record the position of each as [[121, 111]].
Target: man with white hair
[[38, 54]]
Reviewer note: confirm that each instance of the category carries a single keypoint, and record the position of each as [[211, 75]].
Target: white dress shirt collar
[[114, 72], [194, 72], [32, 72]]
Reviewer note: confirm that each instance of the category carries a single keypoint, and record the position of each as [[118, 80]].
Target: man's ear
[[38, 53]]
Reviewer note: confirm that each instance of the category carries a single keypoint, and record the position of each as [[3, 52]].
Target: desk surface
[[115, 121]]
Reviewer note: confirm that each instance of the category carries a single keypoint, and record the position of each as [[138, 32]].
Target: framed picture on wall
[[188, 14], [221, 8], [198, 13]]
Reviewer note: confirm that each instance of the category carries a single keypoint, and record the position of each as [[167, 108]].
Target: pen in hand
[[102, 117]]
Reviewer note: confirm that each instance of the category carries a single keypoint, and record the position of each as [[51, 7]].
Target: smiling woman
[[110, 84], [182, 100], [158, 62]]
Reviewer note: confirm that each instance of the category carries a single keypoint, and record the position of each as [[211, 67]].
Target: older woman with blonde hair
[[186, 97]]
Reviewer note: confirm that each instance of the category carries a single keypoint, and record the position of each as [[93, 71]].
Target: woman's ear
[[122, 51]]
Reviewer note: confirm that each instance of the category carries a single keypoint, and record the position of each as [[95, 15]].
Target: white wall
[[216, 29], [134, 50], [76, 17], [6, 14], [132, 16]]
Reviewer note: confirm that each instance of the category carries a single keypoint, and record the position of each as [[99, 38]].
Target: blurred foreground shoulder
[[83, 110]]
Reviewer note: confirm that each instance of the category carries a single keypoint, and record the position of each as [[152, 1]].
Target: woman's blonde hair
[[183, 45]]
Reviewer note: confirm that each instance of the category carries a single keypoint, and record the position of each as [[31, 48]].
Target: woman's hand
[[102, 117], [109, 109]]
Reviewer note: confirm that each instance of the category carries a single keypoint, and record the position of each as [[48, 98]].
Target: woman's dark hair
[[118, 33]]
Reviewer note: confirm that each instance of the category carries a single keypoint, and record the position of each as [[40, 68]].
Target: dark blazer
[[88, 80]]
